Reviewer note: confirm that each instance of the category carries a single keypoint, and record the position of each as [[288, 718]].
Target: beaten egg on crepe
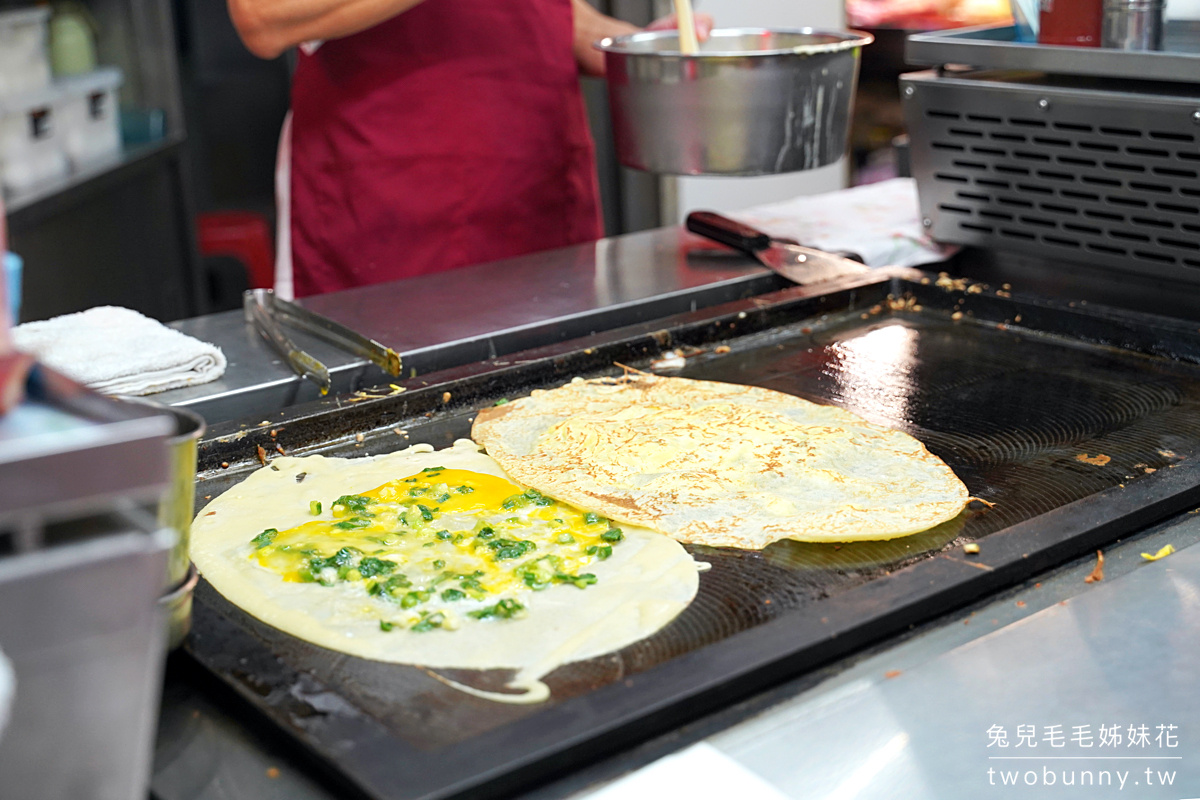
[[720, 464], [435, 558]]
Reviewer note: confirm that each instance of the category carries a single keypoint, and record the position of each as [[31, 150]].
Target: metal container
[[754, 101], [176, 507], [1133, 24]]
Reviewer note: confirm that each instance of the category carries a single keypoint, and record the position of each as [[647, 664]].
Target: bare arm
[[592, 26], [268, 27]]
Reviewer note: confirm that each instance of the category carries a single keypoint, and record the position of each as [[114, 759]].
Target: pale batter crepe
[[520, 582], [720, 464]]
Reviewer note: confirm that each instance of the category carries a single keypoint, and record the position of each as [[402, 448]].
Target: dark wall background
[[234, 104]]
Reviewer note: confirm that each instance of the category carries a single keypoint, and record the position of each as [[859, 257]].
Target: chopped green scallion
[[264, 538], [429, 622]]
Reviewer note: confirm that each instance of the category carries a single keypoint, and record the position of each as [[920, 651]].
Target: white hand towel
[[118, 351]]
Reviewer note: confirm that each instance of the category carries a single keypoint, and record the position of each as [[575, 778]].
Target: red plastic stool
[[244, 235]]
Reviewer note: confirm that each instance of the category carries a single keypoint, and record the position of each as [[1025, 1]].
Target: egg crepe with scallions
[[435, 558], [720, 464]]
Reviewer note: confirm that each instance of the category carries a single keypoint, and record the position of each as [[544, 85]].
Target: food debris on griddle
[[1163, 552], [676, 359], [262, 454], [1098, 460], [1098, 571]]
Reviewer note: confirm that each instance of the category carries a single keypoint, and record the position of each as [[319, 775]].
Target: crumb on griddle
[[279, 449], [224, 465], [1097, 571], [262, 454], [893, 673], [1162, 552], [445, 397], [358, 437], [971, 548], [1098, 460]]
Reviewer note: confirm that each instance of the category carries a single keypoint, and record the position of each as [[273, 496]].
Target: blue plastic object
[[12, 284]]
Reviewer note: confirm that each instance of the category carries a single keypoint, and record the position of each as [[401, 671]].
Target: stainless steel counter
[[471, 314]]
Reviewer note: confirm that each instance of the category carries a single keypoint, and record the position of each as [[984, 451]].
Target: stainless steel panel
[[467, 315], [1084, 170], [997, 48], [66, 450], [81, 626], [914, 722]]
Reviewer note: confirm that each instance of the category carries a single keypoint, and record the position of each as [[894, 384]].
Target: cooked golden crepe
[[436, 559], [720, 464]]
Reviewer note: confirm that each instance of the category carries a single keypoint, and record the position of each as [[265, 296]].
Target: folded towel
[[880, 221], [118, 351]]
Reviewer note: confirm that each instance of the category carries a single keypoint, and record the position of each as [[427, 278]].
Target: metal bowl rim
[[850, 39]]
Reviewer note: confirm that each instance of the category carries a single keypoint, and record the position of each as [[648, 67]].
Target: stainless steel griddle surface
[[1078, 424]]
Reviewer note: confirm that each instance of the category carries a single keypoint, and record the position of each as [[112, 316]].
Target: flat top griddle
[[1078, 424]]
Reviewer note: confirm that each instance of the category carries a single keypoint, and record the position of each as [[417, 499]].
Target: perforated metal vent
[[1092, 175]]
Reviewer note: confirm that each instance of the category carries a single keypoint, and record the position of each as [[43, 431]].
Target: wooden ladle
[[686, 21]]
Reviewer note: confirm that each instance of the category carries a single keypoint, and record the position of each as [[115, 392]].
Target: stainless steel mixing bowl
[[753, 101]]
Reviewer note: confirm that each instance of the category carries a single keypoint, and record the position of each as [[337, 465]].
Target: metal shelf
[[47, 198], [997, 48]]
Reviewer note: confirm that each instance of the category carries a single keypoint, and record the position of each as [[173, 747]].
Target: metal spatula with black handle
[[797, 263]]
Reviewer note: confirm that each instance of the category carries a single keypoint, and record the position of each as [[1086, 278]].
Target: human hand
[[704, 25], [591, 26]]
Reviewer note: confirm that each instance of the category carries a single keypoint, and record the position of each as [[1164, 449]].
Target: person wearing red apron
[[448, 134]]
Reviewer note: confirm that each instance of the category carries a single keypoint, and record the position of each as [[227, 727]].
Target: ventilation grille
[[1089, 187]]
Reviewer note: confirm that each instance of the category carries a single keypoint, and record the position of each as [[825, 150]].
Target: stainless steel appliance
[[81, 570], [1083, 154]]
